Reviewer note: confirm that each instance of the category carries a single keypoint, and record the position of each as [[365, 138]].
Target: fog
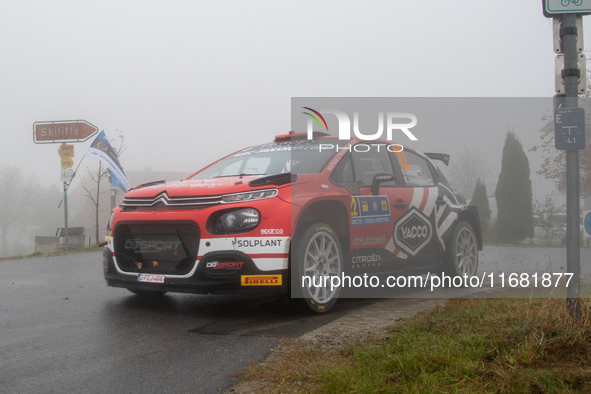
[[187, 82]]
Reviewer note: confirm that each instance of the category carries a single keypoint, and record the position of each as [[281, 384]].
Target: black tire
[[148, 293], [318, 253], [462, 254]]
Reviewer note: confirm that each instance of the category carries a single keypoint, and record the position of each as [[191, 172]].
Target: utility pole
[[569, 129], [571, 75]]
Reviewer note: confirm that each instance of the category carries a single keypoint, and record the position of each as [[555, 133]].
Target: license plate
[[150, 278]]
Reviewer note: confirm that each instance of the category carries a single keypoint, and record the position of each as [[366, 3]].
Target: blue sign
[[569, 128], [587, 223]]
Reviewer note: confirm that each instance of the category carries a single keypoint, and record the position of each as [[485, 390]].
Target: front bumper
[[219, 272]]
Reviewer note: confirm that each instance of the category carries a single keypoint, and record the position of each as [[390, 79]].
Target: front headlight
[[249, 196], [240, 220]]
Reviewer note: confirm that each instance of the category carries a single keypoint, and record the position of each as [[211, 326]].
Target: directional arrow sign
[[63, 131], [67, 162], [66, 151]]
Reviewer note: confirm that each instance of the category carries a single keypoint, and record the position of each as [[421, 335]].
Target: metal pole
[[573, 243], [66, 214]]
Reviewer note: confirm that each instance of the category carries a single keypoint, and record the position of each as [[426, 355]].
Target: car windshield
[[297, 157]]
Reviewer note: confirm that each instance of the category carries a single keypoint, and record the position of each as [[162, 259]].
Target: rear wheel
[[462, 255], [318, 257]]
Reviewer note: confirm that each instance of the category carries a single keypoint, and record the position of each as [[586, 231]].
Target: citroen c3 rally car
[[262, 218]]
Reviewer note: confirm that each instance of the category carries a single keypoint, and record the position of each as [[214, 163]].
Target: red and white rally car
[[263, 217]]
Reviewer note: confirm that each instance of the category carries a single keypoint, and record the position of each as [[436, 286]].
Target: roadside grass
[[467, 346], [61, 252]]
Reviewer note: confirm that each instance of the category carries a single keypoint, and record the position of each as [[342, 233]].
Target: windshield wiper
[[240, 175]]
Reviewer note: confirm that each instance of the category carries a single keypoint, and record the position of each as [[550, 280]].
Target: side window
[[368, 164], [344, 172], [415, 169]]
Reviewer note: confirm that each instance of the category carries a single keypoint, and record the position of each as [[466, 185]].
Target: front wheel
[[318, 257], [462, 255]]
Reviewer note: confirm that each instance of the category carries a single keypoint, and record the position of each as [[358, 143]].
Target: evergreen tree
[[514, 194], [480, 199]]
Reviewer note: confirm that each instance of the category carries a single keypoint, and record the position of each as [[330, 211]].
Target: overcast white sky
[[190, 81]]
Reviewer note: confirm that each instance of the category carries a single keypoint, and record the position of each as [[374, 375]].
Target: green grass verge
[[474, 346], [468, 346]]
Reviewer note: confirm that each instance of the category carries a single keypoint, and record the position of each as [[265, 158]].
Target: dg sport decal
[[412, 231]]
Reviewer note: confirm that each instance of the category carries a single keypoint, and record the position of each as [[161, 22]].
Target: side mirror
[[378, 179]]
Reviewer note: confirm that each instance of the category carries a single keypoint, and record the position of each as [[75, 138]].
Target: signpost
[[62, 131], [571, 118]]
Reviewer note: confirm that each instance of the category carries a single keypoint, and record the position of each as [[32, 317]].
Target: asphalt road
[[62, 330]]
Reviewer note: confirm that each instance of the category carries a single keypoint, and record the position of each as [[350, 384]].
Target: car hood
[[199, 187]]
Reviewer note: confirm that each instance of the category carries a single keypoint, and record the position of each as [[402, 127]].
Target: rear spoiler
[[439, 156]]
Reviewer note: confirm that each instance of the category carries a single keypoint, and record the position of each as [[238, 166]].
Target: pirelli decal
[[260, 280]]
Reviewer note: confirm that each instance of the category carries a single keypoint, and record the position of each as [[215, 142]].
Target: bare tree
[[17, 192], [92, 187], [465, 168], [92, 190]]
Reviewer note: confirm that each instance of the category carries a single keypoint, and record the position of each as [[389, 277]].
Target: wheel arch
[[331, 212], [470, 215]]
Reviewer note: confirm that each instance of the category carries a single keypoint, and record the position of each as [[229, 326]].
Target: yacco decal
[[422, 199], [412, 231], [369, 210]]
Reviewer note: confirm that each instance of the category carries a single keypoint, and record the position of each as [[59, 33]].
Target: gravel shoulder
[[374, 322]]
